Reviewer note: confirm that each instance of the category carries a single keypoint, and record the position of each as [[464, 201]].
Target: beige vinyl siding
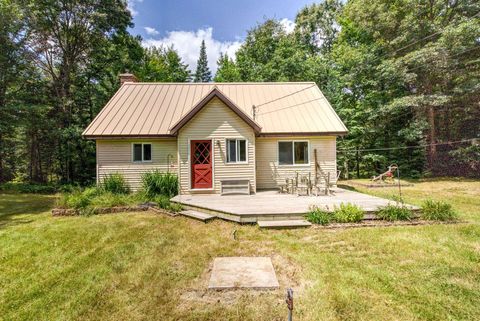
[[270, 174], [217, 122], [115, 156]]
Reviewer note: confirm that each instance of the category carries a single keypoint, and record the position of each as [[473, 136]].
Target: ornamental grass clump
[[438, 211], [115, 184], [348, 213], [395, 213], [318, 215], [164, 203], [157, 183]]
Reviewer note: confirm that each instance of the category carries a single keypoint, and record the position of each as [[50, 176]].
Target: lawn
[[145, 266]]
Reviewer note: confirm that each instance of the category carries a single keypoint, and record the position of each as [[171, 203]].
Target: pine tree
[[203, 74]]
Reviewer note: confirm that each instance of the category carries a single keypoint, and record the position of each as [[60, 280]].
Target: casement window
[[293, 152], [236, 151], [142, 152]]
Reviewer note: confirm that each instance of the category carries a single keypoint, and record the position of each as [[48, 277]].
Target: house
[[217, 137]]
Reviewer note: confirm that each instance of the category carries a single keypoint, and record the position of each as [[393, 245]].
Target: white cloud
[[187, 43], [288, 25], [131, 6], [151, 31]]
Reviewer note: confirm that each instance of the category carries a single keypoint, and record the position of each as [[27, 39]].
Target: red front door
[[201, 160]]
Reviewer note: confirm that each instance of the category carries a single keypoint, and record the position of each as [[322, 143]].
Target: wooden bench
[[235, 186]]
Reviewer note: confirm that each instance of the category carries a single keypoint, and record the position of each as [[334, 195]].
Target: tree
[[316, 25], [163, 65], [227, 71], [64, 36], [203, 74]]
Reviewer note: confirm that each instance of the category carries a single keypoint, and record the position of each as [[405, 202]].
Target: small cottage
[[217, 137]]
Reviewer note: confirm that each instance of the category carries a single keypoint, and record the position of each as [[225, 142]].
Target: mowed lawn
[[145, 266]]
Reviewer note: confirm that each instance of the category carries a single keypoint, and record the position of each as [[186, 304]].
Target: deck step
[[284, 224], [204, 217]]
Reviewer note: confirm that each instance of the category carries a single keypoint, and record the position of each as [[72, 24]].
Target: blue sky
[[222, 24]]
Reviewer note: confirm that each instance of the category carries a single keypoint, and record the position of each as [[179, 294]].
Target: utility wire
[[291, 106], [405, 147], [276, 99]]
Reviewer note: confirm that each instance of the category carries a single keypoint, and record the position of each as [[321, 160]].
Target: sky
[[223, 24]]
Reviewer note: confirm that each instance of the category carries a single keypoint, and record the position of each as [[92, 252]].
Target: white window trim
[[236, 146], [293, 153], [141, 161]]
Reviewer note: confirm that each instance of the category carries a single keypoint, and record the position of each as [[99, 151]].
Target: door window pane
[[137, 152], [285, 153], [301, 152]]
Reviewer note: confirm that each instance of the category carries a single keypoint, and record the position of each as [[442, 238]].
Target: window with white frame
[[293, 153], [142, 152], [236, 150]]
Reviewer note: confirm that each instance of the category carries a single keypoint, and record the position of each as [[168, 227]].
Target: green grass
[[143, 266]]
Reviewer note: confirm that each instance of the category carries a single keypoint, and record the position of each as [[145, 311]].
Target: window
[[236, 150], [293, 153], [142, 152]]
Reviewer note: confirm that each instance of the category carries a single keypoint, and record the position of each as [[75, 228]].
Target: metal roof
[[152, 109]]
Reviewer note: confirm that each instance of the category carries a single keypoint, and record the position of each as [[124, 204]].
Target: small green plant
[[108, 199], [164, 202], [116, 184], [157, 183], [348, 213], [78, 198], [319, 216], [395, 213], [175, 207], [438, 211]]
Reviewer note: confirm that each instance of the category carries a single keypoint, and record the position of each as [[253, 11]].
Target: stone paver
[[243, 272]]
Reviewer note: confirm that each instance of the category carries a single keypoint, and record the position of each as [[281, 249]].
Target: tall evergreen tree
[[203, 73]]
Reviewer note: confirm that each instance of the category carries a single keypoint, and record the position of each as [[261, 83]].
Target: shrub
[[78, 198], [438, 211], [319, 216], [157, 183], [348, 213], [108, 199], [116, 184], [30, 188], [394, 213], [164, 202], [175, 207]]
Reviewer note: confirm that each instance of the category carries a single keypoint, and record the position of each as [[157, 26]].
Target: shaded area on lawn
[[17, 208]]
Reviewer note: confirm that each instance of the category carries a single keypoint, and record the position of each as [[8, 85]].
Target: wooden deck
[[271, 205]]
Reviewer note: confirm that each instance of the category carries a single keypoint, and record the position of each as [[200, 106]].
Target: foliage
[[164, 202], [157, 183], [29, 188], [202, 74], [469, 157], [319, 216], [227, 70], [78, 198], [163, 64], [116, 184], [348, 213], [394, 213], [438, 211]]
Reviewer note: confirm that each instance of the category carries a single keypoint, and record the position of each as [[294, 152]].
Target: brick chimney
[[127, 77]]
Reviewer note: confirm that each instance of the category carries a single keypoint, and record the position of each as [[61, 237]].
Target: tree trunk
[[432, 149]]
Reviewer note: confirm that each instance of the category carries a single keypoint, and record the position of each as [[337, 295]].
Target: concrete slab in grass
[[243, 272]]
